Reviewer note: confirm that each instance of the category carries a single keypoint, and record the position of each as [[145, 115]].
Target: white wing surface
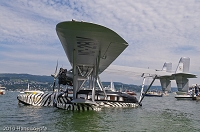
[[85, 43]]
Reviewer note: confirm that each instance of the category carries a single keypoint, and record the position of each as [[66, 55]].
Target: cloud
[[157, 31]]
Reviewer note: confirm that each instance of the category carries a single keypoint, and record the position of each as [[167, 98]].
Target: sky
[[157, 31]]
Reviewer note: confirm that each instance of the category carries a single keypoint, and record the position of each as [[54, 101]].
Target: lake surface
[[157, 114]]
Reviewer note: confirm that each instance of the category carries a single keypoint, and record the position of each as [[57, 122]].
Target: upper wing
[[85, 42]]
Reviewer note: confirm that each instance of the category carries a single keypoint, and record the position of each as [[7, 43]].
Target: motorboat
[[32, 92], [131, 92], [29, 91], [153, 94], [185, 95], [2, 90]]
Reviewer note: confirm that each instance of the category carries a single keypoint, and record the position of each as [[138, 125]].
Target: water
[[157, 114]]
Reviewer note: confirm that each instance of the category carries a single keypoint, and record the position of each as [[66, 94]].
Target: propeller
[[55, 75]]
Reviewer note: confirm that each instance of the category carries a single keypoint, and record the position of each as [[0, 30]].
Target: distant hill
[[19, 81], [37, 78]]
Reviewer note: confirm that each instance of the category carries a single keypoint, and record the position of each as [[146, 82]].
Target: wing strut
[[75, 83], [101, 86], [142, 88], [95, 75], [147, 89]]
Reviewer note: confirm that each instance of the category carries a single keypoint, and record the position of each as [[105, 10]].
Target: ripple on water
[[157, 114]]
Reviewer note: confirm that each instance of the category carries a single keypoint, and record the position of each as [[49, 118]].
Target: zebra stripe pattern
[[62, 101], [53, 99]]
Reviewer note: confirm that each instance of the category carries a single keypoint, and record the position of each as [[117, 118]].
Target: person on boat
[[199, 88], [196, 90]]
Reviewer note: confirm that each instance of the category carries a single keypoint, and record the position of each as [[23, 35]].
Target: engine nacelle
[[65, 77]]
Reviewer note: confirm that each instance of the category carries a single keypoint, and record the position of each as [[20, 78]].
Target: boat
[[153, 94], [190, 95], [29, 91], [82, 102], [128, 91], [184, 96], [187, 95], [131, 92], [2, 90], [84, 99], [111, 87]]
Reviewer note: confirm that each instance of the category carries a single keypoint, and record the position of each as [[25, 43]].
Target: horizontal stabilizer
[[186, 75]]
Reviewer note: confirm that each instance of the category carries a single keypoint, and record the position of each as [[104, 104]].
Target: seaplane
[[90, 49], [181, 75]]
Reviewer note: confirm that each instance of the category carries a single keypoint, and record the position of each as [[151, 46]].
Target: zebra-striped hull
[[53, 99], [37, 99], [64, 102]]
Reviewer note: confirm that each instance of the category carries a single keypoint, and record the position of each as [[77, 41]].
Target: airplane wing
[[165, 75], [134, 71], [84, 43]]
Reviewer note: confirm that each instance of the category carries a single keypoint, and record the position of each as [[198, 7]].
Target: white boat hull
[[184, 97]]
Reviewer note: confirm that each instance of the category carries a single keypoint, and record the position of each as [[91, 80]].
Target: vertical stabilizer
[[183, 65], [167, 67]]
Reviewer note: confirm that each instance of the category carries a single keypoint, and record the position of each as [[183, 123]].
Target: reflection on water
[[157, 114], [77, 121]]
